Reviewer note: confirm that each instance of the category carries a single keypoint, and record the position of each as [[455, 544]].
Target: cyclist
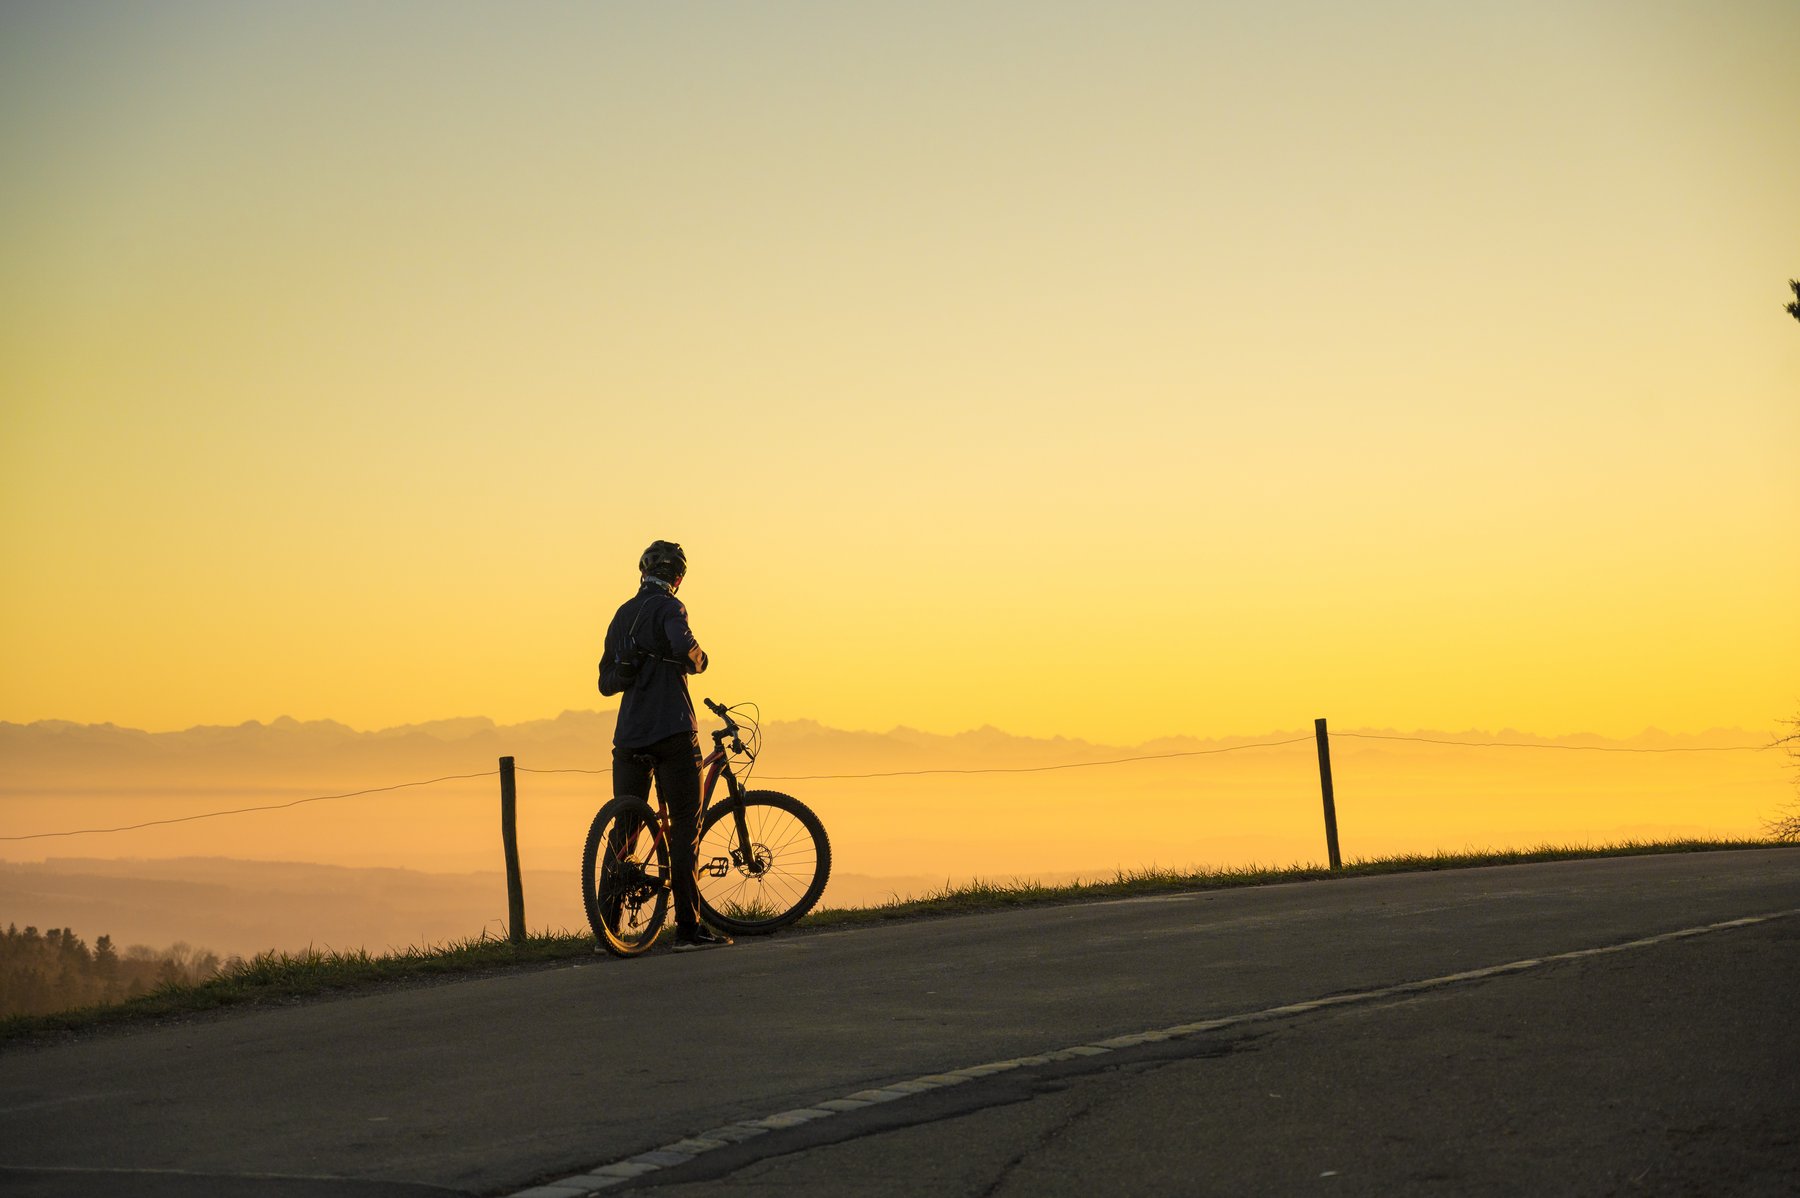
[[650, 651]]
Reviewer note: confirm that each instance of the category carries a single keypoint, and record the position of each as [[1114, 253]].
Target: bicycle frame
[[716, 765]]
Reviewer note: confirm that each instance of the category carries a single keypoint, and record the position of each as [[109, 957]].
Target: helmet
[[664, 560]]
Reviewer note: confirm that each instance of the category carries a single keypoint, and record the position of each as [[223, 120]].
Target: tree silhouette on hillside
[[56, 971], [1794, 308]]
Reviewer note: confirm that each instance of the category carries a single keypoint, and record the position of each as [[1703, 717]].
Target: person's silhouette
[[650, 651]]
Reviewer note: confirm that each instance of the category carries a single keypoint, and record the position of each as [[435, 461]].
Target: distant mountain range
[[43, 760], [53, 756], [577, 738], [54, 751]]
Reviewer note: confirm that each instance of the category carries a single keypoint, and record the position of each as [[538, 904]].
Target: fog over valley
[[422, 863]]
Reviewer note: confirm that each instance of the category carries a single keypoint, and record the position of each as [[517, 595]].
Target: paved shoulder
[[490, 1086], [1662, 1071]]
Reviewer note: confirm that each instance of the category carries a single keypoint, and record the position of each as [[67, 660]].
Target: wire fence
[[183, 819], [1508, 744], [915, 773]]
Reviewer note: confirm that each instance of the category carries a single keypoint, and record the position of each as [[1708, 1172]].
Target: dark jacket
[[656, 705]]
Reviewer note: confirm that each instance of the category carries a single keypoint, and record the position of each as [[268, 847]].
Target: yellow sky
[[1110, 371]]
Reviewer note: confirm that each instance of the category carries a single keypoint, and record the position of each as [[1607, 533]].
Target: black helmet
[[664, 560]]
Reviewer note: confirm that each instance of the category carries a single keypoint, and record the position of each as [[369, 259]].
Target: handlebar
[[730, 729]]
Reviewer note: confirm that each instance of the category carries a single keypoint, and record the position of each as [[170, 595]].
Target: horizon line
[[490, 723]]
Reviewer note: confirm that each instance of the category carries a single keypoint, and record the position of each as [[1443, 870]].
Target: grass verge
[[981, 895], [279, 978]]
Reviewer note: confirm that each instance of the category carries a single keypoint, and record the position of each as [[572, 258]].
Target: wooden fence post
[[1331, 839], [509, 837]]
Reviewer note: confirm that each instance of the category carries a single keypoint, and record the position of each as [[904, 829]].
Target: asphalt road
[[1668, 1066]]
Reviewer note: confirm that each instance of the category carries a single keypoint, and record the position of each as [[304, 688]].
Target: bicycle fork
[[743, 856]]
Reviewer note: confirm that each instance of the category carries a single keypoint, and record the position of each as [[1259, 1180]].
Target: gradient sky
[[1108, 371]]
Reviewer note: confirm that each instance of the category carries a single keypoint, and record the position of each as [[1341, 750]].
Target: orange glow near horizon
[[1198, 373]]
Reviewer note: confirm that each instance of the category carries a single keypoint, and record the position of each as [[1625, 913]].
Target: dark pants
[[676, 761]]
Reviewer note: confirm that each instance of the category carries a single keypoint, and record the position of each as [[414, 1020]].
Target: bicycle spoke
[[626, 877], [771, 875]]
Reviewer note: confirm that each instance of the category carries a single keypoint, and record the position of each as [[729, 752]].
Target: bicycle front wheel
[[757, 885], [625, 877]]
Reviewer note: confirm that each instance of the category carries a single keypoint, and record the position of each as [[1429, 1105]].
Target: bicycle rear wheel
[[625, 877], [756, 888]]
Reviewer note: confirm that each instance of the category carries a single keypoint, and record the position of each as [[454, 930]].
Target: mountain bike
[[763, 859]]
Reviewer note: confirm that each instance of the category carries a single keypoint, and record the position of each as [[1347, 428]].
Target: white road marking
[[682, 1151]]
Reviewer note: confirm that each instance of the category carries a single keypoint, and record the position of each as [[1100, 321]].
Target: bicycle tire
[[625, 877], [792, 856]]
